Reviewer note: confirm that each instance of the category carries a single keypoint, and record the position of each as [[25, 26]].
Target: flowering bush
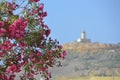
[[24, 41]]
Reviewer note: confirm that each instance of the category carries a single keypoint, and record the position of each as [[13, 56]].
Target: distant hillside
[[89, 47], [93, 59]]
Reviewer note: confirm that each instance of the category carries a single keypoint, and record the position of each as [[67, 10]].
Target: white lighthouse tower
[[83, 38], [83, 35]]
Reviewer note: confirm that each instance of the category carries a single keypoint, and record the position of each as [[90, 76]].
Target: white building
[[83, 38]]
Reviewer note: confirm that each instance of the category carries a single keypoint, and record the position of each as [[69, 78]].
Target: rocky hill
[[91, 59], [89, 47]]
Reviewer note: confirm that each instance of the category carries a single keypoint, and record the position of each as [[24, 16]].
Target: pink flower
[[28, 75], [35, 11], [22, 45], [47, 32], [3, 77], [1, 54], [2, 31], [41, 7], [9, 62], [34, 0], [39, 61], [39, 54], [41, 69], [64, 54], [31, 66], [18, 22], [32, 58], [48, 73], [44, 14], [52, 58], [47, 78], [60, 46], [6, 46], [11, 6], [12, 69], [45, 26], [23, 25], [25, 75], [17, 29], [60, 55], [51, 51], [1, 23], [12, 77]]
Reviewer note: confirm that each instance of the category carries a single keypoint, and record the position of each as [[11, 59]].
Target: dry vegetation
[[88, 78], [92, 47], [93, 59]]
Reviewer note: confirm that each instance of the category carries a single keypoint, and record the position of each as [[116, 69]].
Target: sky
[[100, 19], [68, 18]]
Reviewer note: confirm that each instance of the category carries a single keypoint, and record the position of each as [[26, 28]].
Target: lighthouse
[[83, 35], [83, 38]]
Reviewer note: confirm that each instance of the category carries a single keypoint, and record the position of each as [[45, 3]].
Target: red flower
[[64, 54], [12, 77], [60, 46], [22, 45], [2, 31], [47, 32], [1, 23], [39, 54], [32, 58], [41, 7], [11, 6], [35, 11], [12, 69], [60, 55], [17, 29], [34, 0], [44, 14], [6, 46], [1, 54], [3, 77], [23, 25]]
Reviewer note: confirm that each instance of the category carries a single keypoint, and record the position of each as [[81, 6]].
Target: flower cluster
[[25, 45], [6, 47], [17, 29], [2, 30]]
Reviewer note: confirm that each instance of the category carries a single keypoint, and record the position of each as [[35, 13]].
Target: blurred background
[[99, 18]]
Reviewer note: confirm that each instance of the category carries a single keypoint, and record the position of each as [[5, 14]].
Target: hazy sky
[[99, 18]]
